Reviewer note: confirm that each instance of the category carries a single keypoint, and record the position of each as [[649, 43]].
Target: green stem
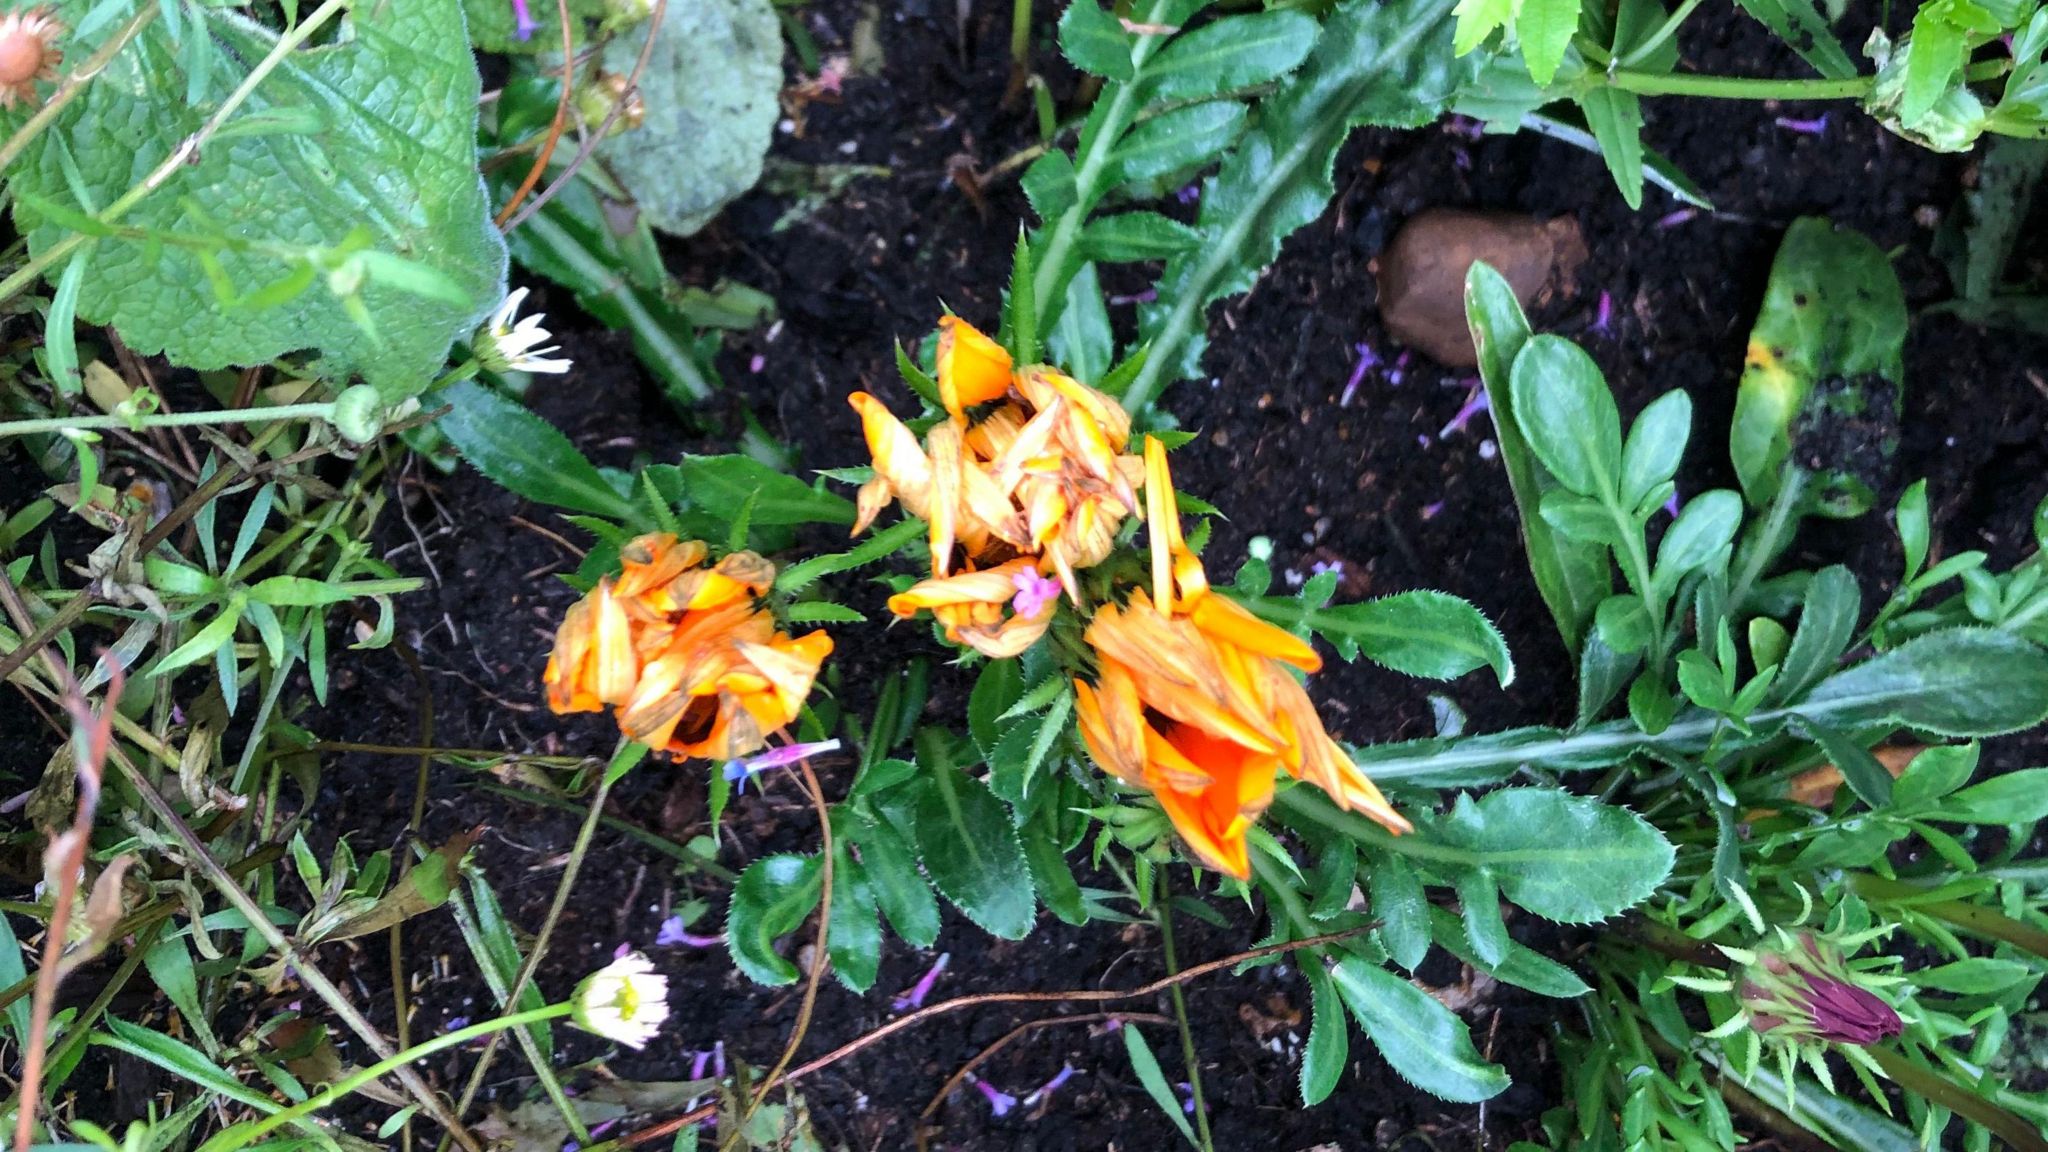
[[1934, 1087], [1669, 28], [1771, 537], [167, 419], [187, 152], [534, 1057], [242, 1135], [1732, 87], [1180, 1015], [1971, 918]]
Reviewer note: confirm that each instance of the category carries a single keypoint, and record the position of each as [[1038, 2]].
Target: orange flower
[[1028, 463], [686, 654], [1194, 701], [998, 612]]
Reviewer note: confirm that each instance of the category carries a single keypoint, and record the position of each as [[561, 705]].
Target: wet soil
[[1365, 476]]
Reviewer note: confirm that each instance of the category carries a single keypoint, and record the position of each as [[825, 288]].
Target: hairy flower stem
[[1969, 917], [321, 411], [1932, 1086], [1180, 1015], [1759, 88], [577, 852], [243, 1135]]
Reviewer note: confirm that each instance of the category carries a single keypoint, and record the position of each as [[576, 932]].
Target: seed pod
[[28, 53]]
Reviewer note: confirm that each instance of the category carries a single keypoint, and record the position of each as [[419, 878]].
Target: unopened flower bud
[[28, 53], [1803, 989], [358, 414], [595, 101]]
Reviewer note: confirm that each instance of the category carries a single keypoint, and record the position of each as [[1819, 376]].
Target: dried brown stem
[[556, 127], [1017, 1033]]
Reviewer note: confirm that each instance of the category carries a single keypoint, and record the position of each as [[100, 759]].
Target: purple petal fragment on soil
[[1674, 219], [1051, 1086], [1475, 403], [1603, 317], [1367, 361], [999, 1101], [914, 998], [1813, 127], [673, 932]]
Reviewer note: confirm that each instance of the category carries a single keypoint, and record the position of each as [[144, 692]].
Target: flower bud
[[358, 413], [595, 101], [1803, 989]]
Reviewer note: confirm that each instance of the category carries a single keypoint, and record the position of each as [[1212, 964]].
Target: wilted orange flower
[[1029, 462], [686, 653], [998, 612], [1193, 700]]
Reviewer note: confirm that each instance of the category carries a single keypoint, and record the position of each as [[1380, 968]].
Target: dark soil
[[1374, 484]]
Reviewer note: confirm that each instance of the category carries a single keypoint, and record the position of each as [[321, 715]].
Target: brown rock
[[1422, 273]]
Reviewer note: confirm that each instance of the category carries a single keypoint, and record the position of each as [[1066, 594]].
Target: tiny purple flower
[[1187, 1097], [1322, 566], [524, 25], [1430, 511], [757, 363], [1674, 219], [1189, 194], [1813, 127], [914, 998], [456, 1023], [1035, 594], [999, 1101], [673, 932], [1461, 159], [1475, 403], [1051, 1086], [1603, 317], [1367, 361], [739, 771]]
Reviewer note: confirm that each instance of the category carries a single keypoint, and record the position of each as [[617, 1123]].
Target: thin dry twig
[[556, 127], [1084, 995]]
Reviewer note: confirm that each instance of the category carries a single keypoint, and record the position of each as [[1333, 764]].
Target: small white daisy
[[625, 1001], [503, 346]]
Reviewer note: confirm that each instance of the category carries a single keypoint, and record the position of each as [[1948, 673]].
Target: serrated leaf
[[1419, 633], [1095, 41], [1616, 120], [2014, 798], [1174, 142], [1478, 19], [394, 163], [1233, 52], [1130, 236], [522, 452], [971, 851], [1376, 63], [900, 890], [1146, 1066], [1329, 1039], [855, 941], [1827, 623], [1544, 29], [1402, 909], [721, 486], [1961, 682], [771, 900], [1566, 858], [1801, 25], [1423, 1040]]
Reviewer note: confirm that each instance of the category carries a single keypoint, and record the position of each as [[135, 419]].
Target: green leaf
[[1933, 774], [1020, 314], [711, 90], [1485, 930], [1704, 529], [1023, 751], [1402, 909], [1520, 966], [855, 941], [1977, 976], [1095, 41], [1565, 412], [426, 887], [971, 851], [1374, 63], [2014, 798], [1824, 368], [1656, 444], [721, 485], [900, 890], [1478, 19], [1081, 341], [1913, 526], [1622, 625], [489, 936], [304, 592], [881, 545], [1146, 1065], [1423, 1040], [180, 1060], [1827, 623], [1544, 28], [169, 963], [1934, 56], [14, 970], [771, 900], [524, 453], [1050, 876], [1230, 53], [1566, 858], [1131, 236], [1423, 633], [1860, 770], [218, 631], [1572, 576], [392, 169], [1174, 142], [996, 691], [1801, 25], [1329, 1039], [1960, 682], [1614, 117]]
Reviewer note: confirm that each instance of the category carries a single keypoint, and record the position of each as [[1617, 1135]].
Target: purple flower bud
[[739, 771], [1804, 990], [524, 25]]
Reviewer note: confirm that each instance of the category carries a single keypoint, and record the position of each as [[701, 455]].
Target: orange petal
[[895, 452], [973, 369], [617, 665], [1223, 619]]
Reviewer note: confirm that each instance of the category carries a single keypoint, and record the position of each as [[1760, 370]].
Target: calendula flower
[[504, 346], [1028, 463], [998, 612], [1194, 700], [28, 53], [625, 1001], [686, 654]]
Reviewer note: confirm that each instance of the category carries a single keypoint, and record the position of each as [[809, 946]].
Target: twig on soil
[[1083, 995], [1017, 1033]]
